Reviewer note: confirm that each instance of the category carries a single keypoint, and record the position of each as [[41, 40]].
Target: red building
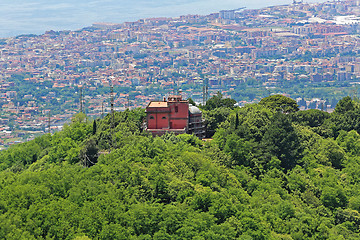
[[174, 115]]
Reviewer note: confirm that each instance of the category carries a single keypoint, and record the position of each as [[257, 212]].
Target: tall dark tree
[[237, 121], [280, 140], [94, 128]]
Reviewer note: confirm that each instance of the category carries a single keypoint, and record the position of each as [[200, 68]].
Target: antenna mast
[[49, 121], [112, 113], [102, 109], [81, 99], [205, 90], [112, 99]]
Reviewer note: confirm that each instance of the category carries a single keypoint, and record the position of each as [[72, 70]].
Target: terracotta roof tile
[[158, 104]]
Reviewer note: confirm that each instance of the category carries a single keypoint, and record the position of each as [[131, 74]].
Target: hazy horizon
[[37, 16]]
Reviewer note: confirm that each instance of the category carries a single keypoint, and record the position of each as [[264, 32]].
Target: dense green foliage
[[280, 103], [217, 101], [269, 173]]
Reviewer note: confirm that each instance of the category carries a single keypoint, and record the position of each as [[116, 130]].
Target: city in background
[[307, 51]]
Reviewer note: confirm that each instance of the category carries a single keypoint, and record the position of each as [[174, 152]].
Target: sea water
[[37, 16]]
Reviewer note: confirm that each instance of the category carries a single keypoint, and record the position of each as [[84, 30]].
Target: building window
[[163, 117], [176, 108], [151, 117]]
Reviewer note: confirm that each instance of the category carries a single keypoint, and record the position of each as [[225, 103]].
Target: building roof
[[194, 110], [158, 104]]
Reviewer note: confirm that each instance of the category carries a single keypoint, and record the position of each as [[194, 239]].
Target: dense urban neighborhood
[[309, 52]]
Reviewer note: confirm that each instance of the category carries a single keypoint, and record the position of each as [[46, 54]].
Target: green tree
[[334, 154], [191, 101], [345, 117], [217, 101], [237, 121], [89, 153], [333, 197], [280, 103], [346, 104], [238, 149], [311, 118], [280, 140], [213, 118], [94, 127]]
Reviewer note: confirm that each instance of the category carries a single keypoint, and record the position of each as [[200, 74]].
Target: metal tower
[[205, 90], [81, 99], [49, 121], [102, 109], [112, 124]]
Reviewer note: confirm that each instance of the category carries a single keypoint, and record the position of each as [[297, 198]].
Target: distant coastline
[[20, 17]]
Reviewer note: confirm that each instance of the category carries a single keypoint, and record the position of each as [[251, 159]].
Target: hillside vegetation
[[271, 172]]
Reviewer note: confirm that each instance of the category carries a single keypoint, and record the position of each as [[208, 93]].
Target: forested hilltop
[[270, 172]]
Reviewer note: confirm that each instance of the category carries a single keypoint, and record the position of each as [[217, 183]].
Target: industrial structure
[[174, 115]]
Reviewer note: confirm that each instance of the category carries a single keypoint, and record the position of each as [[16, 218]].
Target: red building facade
[[171, 115]]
